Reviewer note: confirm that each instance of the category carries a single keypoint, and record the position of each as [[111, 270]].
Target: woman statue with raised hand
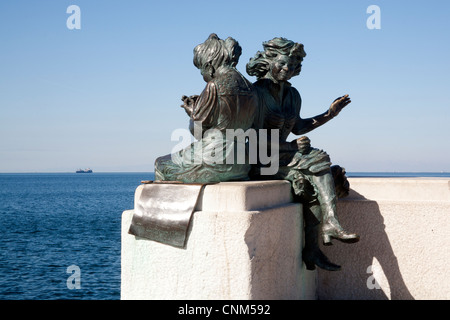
[[227, 102], [308, 169]]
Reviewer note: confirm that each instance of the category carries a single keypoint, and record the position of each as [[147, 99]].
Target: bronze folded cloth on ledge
[[163, 212]]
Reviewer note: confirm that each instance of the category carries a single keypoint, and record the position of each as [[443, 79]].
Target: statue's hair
[[259, 65], [217, 52]]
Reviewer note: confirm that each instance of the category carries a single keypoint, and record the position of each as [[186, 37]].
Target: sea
[[60, 232]]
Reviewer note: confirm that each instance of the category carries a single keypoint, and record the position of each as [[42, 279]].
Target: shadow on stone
[[370, 270]]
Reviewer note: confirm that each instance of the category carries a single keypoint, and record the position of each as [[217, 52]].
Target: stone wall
[[404, 248], [245, 242]]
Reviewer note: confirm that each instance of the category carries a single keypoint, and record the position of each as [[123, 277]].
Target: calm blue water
[[52, 221]]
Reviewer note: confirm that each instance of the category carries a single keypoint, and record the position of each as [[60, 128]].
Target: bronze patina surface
[[270, 107], [163, 212]]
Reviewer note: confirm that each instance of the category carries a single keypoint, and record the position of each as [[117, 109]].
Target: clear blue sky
[[107, 96]]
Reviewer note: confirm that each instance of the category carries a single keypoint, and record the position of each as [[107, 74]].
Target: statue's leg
[[341, 184], [324, 185], [306, 192], [312, 255]]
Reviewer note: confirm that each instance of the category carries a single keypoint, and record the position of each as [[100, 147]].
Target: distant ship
[[84, 171]]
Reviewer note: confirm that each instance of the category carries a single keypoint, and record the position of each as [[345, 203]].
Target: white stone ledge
[[245, 242], [400, 189], [240, 196], [251, 250], [245, 196], [403, 223]]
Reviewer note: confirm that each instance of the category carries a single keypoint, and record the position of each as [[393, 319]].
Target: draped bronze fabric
[[163, 212]]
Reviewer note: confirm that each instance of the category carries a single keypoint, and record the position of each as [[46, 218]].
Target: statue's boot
[[312, 255], [331, 228]]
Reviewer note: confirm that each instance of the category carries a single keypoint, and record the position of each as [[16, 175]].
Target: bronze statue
[[308, 169], [231, 102], [227, 102]]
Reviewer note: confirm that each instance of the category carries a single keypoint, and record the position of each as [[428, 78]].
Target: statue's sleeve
[[206, 108]]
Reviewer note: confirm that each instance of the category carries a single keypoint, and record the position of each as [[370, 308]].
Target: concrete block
[[403, 252], [244, 242]]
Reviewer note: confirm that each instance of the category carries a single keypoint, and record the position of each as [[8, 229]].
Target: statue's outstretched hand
[[339, 104]]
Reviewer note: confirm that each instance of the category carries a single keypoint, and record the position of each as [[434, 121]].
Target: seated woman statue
[[227, 102], [308, 169]]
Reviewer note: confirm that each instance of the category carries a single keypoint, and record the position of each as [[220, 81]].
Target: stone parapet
[[244, 242], [403, 252]]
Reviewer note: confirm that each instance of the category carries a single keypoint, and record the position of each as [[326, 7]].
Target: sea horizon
[[350, 174]]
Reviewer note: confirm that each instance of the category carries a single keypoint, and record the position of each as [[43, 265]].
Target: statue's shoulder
[[294, 92], [232, 82], [294, 98]]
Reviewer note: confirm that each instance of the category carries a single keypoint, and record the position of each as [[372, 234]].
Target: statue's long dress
[[227, 102]]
